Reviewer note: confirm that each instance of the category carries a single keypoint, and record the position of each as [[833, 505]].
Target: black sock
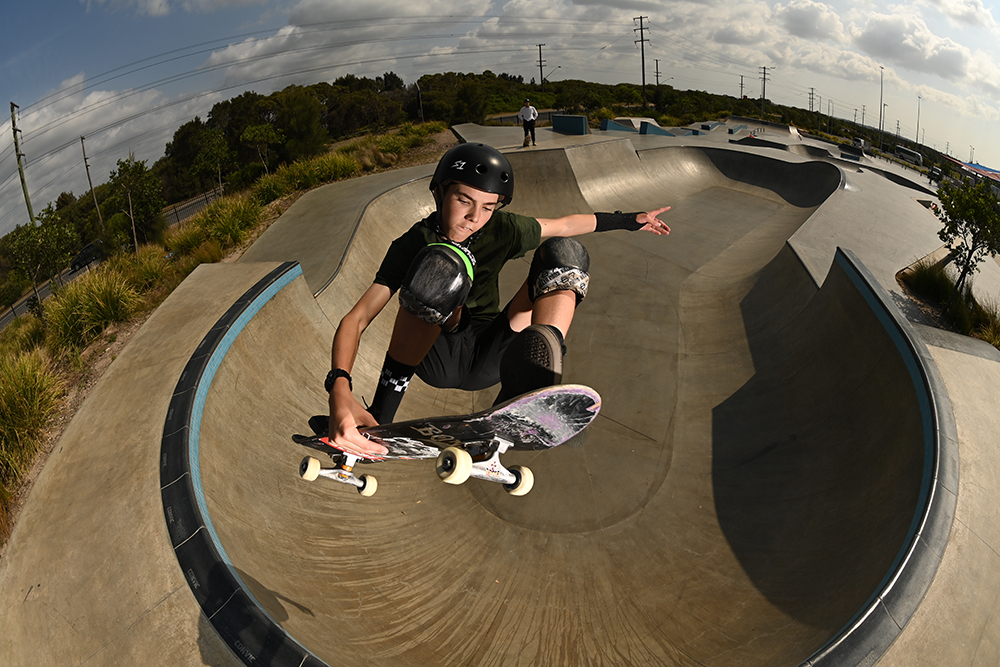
[[392, 385]]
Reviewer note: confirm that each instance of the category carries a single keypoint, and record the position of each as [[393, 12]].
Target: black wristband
[[617, 220], [332, 376]]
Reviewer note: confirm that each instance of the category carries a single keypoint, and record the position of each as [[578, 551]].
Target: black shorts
[[468, 359]]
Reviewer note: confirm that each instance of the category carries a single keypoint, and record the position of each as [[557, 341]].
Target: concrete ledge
[[611, 125], [569, 124], [649, 128]]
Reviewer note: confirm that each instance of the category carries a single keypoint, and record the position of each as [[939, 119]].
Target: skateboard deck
[[467, 445]]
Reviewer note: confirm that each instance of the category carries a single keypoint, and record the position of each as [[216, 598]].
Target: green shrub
[[931, 281], [228, 219], [335, 167], [83, 309], [268, 189], [23, 334], [141, 270], [391, 144], [29, 395], [185, 238], [208, 252]]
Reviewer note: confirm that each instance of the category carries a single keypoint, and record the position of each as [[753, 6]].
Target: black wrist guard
[[617, 220], [332, 376]]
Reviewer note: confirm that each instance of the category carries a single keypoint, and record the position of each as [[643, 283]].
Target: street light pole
[[881, 107]]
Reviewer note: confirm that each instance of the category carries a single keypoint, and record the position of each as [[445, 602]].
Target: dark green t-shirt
[[506, 236]]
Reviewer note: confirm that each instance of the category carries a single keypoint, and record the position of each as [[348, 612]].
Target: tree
[[177, 167], [214, 155], [298, 118], [40, 251], [971, 217], [137, 194], [262, 137], [470, 103]]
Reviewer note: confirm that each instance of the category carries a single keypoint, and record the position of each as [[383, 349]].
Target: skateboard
[[468, 445]]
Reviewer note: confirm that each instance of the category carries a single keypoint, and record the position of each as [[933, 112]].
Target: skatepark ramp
[[771, 480], [768, 483]]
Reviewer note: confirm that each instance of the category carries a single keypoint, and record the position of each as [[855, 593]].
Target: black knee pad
[[559, 264], [437, 282]]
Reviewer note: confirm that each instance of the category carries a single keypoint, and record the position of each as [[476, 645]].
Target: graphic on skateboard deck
[[468, 445]]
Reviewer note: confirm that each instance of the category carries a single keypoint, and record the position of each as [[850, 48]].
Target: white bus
[[910, 155]]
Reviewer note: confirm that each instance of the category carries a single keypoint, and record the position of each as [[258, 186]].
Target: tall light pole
[[881, 107], [917, 137]]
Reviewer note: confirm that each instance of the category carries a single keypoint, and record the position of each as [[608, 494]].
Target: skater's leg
[[542, 311]]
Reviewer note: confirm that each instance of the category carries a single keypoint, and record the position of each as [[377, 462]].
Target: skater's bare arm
[[346, 412], [584, 223]]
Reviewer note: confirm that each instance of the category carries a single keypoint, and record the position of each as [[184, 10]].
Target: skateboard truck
[[343, 471], [455, 465]]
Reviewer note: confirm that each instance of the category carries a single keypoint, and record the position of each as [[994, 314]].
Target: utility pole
[[20, 163], [656, 71], [741, 86], [541, 75], [917, 137], [87, 165], [642, 47], [812, 92], [763, 89], [862, 115]]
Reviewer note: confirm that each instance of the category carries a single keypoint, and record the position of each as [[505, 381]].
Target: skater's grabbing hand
[[346, 415]]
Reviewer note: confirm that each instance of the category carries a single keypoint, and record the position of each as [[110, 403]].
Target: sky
[[125, 74]]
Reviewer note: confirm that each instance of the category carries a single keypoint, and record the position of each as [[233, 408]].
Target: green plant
[[184, 238], [140, 270], [29, 395], [268, 189], [931, 281], [87, 306], [23, 334], [227, 220]]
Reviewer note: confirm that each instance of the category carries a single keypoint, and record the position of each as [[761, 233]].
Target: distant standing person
[[528, 114]]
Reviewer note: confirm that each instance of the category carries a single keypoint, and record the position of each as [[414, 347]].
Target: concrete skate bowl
[[761, 488]]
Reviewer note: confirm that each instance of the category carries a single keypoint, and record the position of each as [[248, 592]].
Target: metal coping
[[229, 605]]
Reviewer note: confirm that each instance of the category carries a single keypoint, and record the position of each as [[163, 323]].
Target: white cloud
[[905, 40], [966, 12], [810, 20]]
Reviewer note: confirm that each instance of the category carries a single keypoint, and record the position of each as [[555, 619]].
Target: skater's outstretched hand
[[651, 222], [346, 415]]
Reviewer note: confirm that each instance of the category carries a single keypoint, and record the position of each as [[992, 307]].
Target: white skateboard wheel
[[309, 469], [370, 486], [454, 465], [525, 480]]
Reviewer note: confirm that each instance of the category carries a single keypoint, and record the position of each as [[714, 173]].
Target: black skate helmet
[[481, 166]]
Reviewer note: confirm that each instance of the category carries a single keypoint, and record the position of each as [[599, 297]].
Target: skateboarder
[[450, 329], [528, 115]]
